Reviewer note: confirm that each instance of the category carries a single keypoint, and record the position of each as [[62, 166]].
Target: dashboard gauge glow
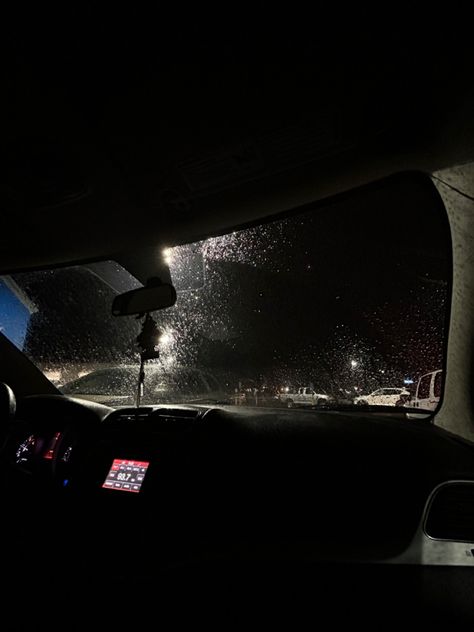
[[25, 450], [126, 476], [67, 454]]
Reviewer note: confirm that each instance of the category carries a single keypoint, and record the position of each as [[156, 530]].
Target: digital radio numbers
[[122, 476], [126, 475]]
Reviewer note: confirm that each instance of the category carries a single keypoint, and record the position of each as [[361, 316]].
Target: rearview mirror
[[155, 295]]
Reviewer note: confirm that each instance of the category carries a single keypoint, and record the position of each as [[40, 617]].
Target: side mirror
[[155, 295]]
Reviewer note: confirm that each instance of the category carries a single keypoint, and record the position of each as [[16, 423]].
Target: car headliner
[[131, 138]]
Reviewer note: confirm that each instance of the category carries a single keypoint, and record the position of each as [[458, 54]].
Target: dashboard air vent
[[131, 415], [177, 413], [160, 418], [450, 513], [172, 419]]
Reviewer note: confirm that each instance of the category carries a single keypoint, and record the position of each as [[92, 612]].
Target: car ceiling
[[137, 135]]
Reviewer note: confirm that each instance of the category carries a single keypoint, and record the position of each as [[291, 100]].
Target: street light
[[166, 339], [167, 255], [354, 364]]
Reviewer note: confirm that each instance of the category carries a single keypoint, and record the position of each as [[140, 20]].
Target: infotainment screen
[[126, 476]]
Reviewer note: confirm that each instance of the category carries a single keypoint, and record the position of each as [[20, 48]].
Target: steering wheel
[[7, 408]]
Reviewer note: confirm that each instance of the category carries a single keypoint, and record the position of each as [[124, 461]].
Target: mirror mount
[[147, 340], [140, 302]]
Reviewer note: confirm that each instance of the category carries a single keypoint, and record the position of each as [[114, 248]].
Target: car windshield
[[315, 309]]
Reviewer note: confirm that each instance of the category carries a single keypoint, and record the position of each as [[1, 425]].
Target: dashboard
[[256, 508], [241, 482]]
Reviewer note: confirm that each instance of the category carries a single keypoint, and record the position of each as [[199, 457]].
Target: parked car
[[383, 397], [428, 391], [304, 396], [117, 386]]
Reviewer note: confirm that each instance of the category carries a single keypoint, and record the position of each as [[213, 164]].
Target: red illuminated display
[[49, 452], [126, 476]]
